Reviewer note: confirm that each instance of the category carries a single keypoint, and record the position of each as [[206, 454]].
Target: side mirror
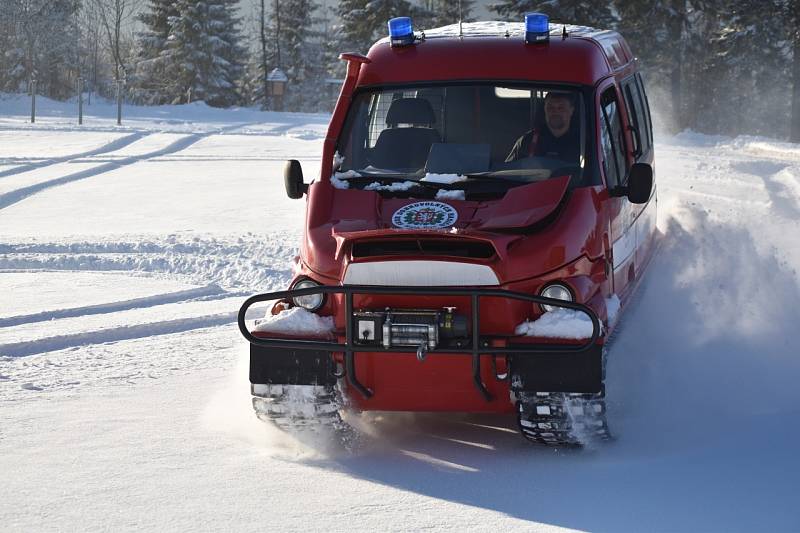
[[640, 183], [293, 179]]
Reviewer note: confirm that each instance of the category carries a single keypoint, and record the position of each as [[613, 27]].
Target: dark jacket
[[541, 142]]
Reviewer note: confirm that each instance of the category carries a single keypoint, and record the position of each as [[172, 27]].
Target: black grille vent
[[425, 247]]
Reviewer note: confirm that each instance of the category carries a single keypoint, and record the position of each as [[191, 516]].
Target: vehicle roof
[[497, 51]]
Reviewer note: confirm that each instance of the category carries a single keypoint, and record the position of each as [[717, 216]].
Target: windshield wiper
[[411, 176], [497, 176]]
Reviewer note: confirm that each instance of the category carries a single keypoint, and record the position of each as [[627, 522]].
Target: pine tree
[[711, 57], [203, 51], [152, 82], [254, 86], [362, 22], [445, 12], [39, 40], [301, 55], [595, 13], [749, 51], [660, 34], [793, 30]]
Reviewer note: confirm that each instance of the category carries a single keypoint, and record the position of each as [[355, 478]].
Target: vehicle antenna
[[460, 28]]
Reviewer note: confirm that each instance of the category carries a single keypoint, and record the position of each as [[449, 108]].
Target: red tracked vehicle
[[486, 204]]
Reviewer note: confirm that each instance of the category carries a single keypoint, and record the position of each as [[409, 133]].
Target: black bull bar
[[349, 348]]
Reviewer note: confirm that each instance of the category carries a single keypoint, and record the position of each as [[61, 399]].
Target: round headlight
[[312, 302], [556, 292]]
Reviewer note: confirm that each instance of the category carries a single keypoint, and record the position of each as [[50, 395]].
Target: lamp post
[[33, 98], [276, 87], [121, 78], [332, 86], [80, 100]]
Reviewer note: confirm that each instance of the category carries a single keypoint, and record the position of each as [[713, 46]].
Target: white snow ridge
[[125, 254]]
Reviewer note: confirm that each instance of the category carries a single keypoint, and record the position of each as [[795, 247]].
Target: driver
[[558, 139]]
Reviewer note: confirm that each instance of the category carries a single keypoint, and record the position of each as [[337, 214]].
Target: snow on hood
[[393, 187], [444, 194], [446, 179]]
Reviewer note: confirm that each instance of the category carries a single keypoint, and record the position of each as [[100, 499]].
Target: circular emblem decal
[[425, 215]]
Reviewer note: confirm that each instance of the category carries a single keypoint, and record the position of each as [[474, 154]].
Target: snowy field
[[126, 252]]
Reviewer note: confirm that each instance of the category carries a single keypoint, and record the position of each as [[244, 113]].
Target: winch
[[408, 327]]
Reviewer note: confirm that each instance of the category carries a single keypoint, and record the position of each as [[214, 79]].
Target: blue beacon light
[[400, 31], [537, 28]]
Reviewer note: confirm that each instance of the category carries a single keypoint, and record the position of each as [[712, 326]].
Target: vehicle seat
[[404, 147]]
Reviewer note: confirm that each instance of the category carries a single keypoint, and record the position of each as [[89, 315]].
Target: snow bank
[[193, 117], [296, 320], [446, 179], [775, 147], [702, 376], [558, 324]]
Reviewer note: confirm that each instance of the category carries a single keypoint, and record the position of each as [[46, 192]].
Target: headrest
[[410, 111]]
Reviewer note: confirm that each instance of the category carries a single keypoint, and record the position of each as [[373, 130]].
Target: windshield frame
[[358, 111]]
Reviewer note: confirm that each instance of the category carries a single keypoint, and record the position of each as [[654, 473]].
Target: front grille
[[424, 247]]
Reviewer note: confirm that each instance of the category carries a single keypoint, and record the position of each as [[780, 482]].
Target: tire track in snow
[[12, 197], [251, 262], [113, 146], [121, 333], [780, 183], [113, 307]]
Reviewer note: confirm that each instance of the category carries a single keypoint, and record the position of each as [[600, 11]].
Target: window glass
[[612, 140], [646, 107], [638, 136], [500, 135]]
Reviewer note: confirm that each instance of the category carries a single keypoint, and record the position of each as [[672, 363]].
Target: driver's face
[[558, 113]]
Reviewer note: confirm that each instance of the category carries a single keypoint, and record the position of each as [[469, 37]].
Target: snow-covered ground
[[125, 253]]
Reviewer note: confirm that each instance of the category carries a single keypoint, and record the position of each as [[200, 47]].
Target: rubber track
[[564, 419], [304, 411]]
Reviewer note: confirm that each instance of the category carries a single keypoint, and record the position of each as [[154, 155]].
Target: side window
[[633, 104], [646, 108], [612, 139]]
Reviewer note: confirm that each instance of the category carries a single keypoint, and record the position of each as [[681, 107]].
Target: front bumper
[[544, 367]]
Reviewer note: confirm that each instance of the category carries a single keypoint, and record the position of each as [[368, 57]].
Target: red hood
[[521, 207], [339, 217]]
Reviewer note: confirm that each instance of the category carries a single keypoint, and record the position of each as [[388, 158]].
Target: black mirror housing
[[293, 179], [640, 183]]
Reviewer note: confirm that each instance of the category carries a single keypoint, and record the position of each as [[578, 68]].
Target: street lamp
[[80, 100], [276, 87], [332, 86], [33, 98], [121, 78]]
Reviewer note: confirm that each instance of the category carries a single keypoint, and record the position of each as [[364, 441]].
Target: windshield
[[487, 137]]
